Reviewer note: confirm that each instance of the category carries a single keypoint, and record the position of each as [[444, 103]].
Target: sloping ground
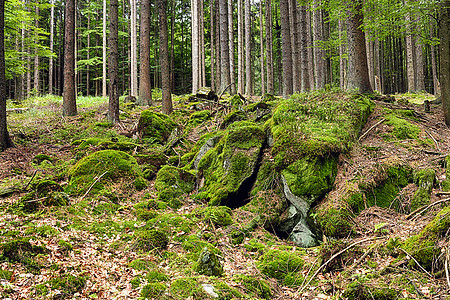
[[120, 240]]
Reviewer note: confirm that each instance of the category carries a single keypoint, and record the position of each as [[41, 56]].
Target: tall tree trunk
[[172, 47], [358, 72], [145, 81], [113, 62], [286, 48], [444, 47], [5, 140], [164, 59], [304, 73], [134, 73], [248, 49], [213, 54], [370, 61], [224, 49], [217, 45], [69, 93], [261, 42], [195, 46], [269, 47], [310, 49], [50, 62], [433, 62], [319, 55], [88, 56], [104, 75], [241, 76], [231, 46], [342, 55], [410, 67], [295, 44], [420, 74], [201, 35], [36, 55], [279, 55]]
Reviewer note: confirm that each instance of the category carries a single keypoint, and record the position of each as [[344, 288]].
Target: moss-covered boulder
[[199, 117], [233, 116], [152, 162], [425, 246], [187, 287], [220, 216], [269, 206], [425, 180], [208, 264], [155, 127], [22, 251], [172, 183], [43, 193], [67, 285], [254, 287], [227, 167], [114, 167], [104, 144], [147, 240]]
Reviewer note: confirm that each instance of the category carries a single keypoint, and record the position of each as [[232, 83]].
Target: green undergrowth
[[67, 285], [22, 251]]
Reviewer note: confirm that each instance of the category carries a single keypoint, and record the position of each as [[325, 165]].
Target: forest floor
[[100, 253]]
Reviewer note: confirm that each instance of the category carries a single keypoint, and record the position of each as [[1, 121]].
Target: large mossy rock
[[115, 167], [43, 192], [228, 167], [172, 183], [155, 127]]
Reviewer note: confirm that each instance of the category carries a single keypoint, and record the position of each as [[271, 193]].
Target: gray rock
[[301, 204], [211, 143], [302, 235]]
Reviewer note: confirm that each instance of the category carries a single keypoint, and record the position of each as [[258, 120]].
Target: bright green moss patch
[[141, 264], [255, 287], [199, 117], [334, 221], [5, 275], [153, 290], [115, 166], [22, 251], [155, 127], [38, 159], [44, 193], [65, 246], [220, 216], [147, 240], [361, 290], [67, 285], [172, 183], [188, 287], [425, 180], [446, 182], [401, 128], [233, 116], [286, 266]]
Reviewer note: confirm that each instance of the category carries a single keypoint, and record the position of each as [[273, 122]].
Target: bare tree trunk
[[50, 62], [295, 44], [164, 59], [370, 63], [5, 140], [269, 47], [231, 46], [241, 51], [36, 56], [88, 56], [261, 42], [305, 80], [248, 49], [420, 74], [286, 48], [69, 94], [224, 49], [134, 74], [217, 45], [195, 46], [358, 73], [113, 62], [433, 62], [410, 67], [444, 47], [145, 81], [319, 63], [104, 87], [342, 59], [212, 31], [202, 45], [310, 50]]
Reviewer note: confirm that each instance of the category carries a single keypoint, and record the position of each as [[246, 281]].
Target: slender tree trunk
[[433, 62], [420, 74], [295, 44], [370, 61], [69, 94], [444, 48], [113, 62], [213, 54], [310, 49], [133, 73], [145, 81], [217, 45], [261, 42], [269, 47], [50, 62], [5, 140], [36, 56], [279, 56], [164, 59], [88, 56], [248, 49], [231, 46], [104, 86], [286, 48], [358, 74], [195, 46], [304, 73], [224, 49], [318, 36], [241, 76], [201, 35], [410, 68], [342, 59]]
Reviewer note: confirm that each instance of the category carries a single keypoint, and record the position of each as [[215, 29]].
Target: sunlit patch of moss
[[38, 159], [446, 182], [199, 117], [172, 183], [220, 216], [44, 230], [226, 292], [67, 285], [254, 286], [112, 164], [283, 265], [186, 287], [359, 289], [148, 240], [233, 116], [401, 128], [425, 180], [155, 127], [153, 290], [141, 265], [172, 223], [105, 208], [5, 275], [334, 221], [65, 246]]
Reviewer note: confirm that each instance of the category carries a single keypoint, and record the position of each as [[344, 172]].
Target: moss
[[254, 245], [5, 275], [44, 230], [148, 240], [22, 251], [268, 206], [171, 222], [141, 264], [145, 214], [401, 128], [226, 292], [65, 246], [67, 285], [219, 216], [112, 164], [208, 264], [153, 290], [38, 159], [243, 230], [199, 117], [106, 208], [254, 286], [155, 127], [44, 193], [334, 221], [105, 144], [171, 183], [360, 291], [285, 266], [188, 287], [195, 245], [312, 177], [446, 182], [424, 246], [425, 180], [150, 204], [233, 116]]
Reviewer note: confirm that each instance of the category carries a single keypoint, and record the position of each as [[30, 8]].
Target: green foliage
[[425, 179], [220, 216], [401, 128], [65, 246], [23, 252], [172, 183], [208, 264], [153, 290], [155, 126], [183, 288]]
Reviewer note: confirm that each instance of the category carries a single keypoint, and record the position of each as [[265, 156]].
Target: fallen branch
[[442, 193], [417, 263], [334, 256], [32, 177], [18, 109], [424, 208], [221, 94], [435, 142], [92, 185], [368, 130]]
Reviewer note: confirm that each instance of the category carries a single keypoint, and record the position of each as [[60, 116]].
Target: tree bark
[[195, 46], [410, 58], [358, 72], [433, 62], [50, 62], [248, 49], [36, 86], [224, 49], [444, 47], [420, 74], [295, 44], [113, 62], [286, 48], [241, 76], [342, 59], [303, 36], [261, 42], [104, 86], [212, 31], [5, 140], [134, 73], [319, 55], [69, 93], [145, 81], [217, 45], [310, 50], [88, 55], [164, 59], [269, 47], [231, 46]]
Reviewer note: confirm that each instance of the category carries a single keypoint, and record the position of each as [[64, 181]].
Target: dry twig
[[436, 143], [417, 263], [424, 208], [368, 130], [92, 185]]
